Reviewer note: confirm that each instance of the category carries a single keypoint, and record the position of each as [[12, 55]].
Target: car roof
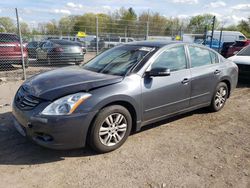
[[154, 43], [62, 41]]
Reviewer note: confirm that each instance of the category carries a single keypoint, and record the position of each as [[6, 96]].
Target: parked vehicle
[[31, 47], [82, 46], [216, 45], [10, 50], [225, 48], [92, 45], [114, 41], [242, 59], [227, 36], [120, 90], [236, 47], [60, 51]]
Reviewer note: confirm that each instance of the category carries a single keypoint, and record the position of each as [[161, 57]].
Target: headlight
[[66, 105]]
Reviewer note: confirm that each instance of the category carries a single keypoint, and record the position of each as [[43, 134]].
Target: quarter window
[[173, 59], [214, 57]]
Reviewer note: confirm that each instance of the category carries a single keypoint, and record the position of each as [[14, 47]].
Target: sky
[[35, 11]]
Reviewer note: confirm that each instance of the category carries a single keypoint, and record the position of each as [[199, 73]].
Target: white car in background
[[242, 59]]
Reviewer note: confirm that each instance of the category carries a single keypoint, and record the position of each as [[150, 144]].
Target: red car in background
[[10, 50], [236, 47]]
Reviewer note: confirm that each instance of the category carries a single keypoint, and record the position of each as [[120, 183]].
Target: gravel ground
[[198, 149]]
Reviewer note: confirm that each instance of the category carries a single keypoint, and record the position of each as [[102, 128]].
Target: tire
[[109, 123], [219, 98]]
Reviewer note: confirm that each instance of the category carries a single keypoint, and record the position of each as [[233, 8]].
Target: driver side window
[[173, 59]]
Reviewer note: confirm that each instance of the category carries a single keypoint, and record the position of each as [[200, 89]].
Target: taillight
[[58, 49]]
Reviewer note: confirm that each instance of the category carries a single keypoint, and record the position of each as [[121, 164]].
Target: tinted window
[[123, 40], [130, 40], [173, 59], [199, 56]]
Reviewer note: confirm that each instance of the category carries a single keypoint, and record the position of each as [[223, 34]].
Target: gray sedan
[[122, 89]]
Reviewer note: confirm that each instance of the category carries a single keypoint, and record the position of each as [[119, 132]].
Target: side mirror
[[158, 72]]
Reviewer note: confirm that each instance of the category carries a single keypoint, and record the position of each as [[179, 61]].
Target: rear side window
[[173, 59], [200, 57]]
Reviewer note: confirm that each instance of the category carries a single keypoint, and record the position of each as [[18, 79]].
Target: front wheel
[[220, 97], [110, 129]]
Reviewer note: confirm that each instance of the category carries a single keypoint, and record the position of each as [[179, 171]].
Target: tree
[[66, 24], [24, 28], [52, 28], [199, 22], [7, 25], [244, 27]]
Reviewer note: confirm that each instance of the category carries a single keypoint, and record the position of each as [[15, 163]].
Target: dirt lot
[[198, 149]]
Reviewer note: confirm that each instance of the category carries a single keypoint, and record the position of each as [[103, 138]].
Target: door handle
[[185, 81], [217, 72]]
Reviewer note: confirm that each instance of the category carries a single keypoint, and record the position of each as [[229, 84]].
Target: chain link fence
[[24, 52]]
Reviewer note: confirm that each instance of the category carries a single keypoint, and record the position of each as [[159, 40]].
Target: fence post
[[147, 31], [212, 35], [220, 39], [205, 35], [97, 34], [21, 44]]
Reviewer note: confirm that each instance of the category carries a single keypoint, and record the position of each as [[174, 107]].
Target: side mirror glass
[[158, 72]]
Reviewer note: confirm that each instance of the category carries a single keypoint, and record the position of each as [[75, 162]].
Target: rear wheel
[[220, 97], [110, 129]]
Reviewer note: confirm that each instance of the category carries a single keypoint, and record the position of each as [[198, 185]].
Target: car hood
[[60, 82], [245, 60]]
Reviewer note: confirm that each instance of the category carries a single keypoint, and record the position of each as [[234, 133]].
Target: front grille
[[25, 101]]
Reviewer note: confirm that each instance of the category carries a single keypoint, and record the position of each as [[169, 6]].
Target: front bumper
[[55, 132]]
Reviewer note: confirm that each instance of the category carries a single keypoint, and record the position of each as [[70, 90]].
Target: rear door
[[165, 95], [205, 73]]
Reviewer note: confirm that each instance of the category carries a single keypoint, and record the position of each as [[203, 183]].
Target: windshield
[[245, 51], [117, 61]]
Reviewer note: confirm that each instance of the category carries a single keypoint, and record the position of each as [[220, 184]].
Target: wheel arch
[[228, 82]]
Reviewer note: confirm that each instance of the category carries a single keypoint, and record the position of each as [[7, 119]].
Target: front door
[[164, 95]]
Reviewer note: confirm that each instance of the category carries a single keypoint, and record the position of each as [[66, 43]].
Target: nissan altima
[[119, 91]]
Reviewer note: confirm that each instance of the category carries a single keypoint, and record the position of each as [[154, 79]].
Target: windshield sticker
[[148, 49]]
